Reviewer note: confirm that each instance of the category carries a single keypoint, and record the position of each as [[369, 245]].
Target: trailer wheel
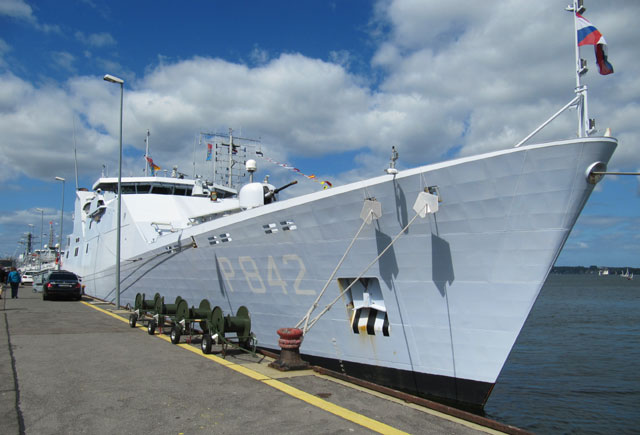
[[132, 320], [175, 334], [151, 327], [206, 344]]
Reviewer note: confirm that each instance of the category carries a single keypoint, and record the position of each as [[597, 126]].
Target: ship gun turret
[[258, 194], [271, 193]]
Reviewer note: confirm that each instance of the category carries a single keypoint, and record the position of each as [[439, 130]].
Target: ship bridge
[[162, 186]]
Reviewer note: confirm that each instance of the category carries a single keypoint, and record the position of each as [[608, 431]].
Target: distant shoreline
[[592, 270]]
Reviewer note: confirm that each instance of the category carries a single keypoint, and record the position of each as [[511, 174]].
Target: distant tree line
[[592, 270]]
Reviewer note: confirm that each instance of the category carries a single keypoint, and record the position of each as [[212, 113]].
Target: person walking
[[3, 279], [14, 281]]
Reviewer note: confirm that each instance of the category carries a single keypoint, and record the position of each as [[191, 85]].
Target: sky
[[327, 86]]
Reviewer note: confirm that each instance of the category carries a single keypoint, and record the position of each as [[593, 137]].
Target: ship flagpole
[[585, 125], [579, 90]]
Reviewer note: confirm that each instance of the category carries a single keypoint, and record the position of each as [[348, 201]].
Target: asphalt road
[[67, 368]]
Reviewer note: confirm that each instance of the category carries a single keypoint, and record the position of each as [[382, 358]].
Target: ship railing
[[196, 220], [575, 102], [163, 227]]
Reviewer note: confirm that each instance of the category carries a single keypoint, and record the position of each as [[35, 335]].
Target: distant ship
[[431, 271], [34, 263]]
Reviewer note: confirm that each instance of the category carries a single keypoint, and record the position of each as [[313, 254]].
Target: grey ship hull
[[452, 293]]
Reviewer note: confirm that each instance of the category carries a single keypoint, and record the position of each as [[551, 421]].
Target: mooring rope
[[315, 303], [328, 307]]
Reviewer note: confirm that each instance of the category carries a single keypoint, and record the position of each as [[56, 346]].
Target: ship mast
[[231, 162], [75, 153], [146, 154], [586, 126], [230, 154], [50, 234]]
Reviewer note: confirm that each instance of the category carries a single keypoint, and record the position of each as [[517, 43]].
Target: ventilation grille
[[287, 225], [222, 238]]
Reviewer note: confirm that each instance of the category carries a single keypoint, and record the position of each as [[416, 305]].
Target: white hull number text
[[256, 275]]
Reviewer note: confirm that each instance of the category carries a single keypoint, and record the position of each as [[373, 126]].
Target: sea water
[[575, 367]]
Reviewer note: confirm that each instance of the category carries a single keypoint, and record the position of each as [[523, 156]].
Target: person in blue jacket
[[14, 279]]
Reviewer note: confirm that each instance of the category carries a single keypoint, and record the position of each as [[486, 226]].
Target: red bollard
[[290, 341]]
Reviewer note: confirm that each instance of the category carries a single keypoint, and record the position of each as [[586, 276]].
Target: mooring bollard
[[290, 341]]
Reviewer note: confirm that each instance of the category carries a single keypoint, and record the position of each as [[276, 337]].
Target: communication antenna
[[199, 141], [75, 154], [146, 154]]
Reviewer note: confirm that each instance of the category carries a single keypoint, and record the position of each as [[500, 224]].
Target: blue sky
[[327, 87]]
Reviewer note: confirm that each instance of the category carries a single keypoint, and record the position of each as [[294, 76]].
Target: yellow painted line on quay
[[414, 406], [344, 413]]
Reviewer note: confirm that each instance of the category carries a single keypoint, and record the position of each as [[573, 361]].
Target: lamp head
[[113, 79], [60, 179]]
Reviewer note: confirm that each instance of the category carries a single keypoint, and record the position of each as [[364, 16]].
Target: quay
[[77, 367]]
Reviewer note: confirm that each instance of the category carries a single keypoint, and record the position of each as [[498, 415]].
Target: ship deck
[[73, 367]]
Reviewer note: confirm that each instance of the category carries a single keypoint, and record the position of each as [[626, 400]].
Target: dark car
[[61, 283]]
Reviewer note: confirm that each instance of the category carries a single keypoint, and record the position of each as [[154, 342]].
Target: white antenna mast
[[75, 153], [229, 183], [199, 141], [146, 154]]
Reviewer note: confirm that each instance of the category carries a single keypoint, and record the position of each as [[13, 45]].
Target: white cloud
[[20, 10], [474, 90], [16, 9], [460, 79], [95, 39], [259, 56], [64, 60], [340, 57], [4, 49]]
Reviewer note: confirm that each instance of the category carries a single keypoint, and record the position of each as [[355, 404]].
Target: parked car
[[27, 278], [61, 283]]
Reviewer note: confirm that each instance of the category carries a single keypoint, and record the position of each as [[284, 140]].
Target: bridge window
[[161, 190]]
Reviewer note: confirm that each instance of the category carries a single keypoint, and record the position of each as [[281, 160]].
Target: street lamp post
[[61, 218], [113, 79]]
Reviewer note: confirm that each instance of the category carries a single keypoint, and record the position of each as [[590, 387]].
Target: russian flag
[[601, 58], [589, 35]]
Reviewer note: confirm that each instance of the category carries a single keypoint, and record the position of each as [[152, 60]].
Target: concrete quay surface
[[77, 368]]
